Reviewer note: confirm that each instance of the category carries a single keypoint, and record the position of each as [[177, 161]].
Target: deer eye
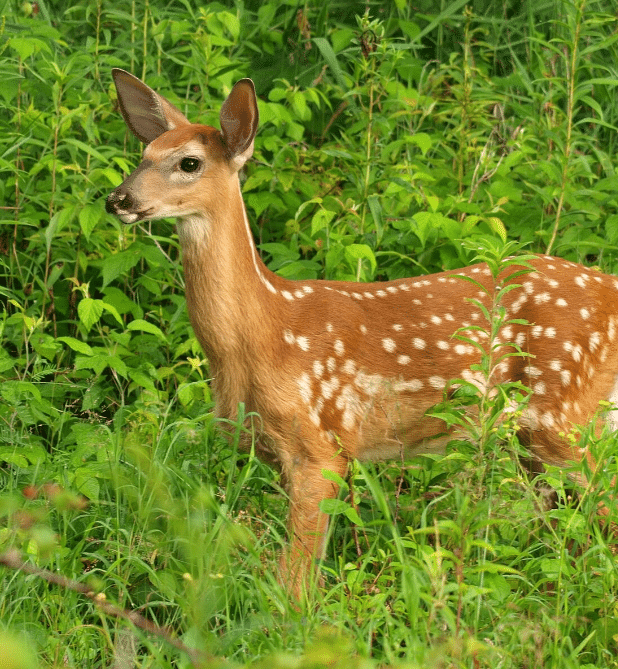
[[189, 164]]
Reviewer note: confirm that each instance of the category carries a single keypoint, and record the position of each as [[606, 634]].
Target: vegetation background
[[396, 139]]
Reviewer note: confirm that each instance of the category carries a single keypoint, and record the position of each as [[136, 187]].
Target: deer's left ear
[[239, 119]]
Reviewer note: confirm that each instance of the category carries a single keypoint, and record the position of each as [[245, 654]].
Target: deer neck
[[229, 290]]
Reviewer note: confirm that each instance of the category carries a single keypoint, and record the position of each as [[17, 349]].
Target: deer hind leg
[[561, 444], [307, 487]]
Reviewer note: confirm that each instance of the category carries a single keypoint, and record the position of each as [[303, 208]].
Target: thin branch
[[12, 559]]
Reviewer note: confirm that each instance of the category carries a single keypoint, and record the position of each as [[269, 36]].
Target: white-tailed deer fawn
[[341, 370]]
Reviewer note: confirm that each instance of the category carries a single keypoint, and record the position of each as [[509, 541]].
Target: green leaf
[[352, 515], [90, 311], [334, 507], [76, 345], [11, 456], [145, 326], [355, 252], [331, 60], [330, 475], [26, 46], [320, 220], [89, 217], [422, 140], [115, 265]]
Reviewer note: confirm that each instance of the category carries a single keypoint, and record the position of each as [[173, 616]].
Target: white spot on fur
[[339, 347], [304, 385], [349, 367], [419, 344], [329, 387], [412, 386], [389, 345], [303, 343], [542, 298], [539, 388], [350, 404], [369, 383]]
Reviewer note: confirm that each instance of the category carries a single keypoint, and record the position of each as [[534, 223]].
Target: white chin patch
[[128, 218]]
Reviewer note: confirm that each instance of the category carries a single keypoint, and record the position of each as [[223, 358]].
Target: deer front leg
[[307, 487]]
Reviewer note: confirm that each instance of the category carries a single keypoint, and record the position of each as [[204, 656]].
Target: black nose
[[118, 200]]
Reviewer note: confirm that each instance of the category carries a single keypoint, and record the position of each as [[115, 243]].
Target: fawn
[[341, 370]]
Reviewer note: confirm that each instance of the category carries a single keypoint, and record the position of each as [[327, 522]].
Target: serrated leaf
[[90, 311], [497, 226], [320, 220], [330, 475], [89, 217], [111, 309], [118, 365], [115, 265]]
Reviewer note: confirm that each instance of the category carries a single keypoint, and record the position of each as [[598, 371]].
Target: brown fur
[[341, 370]]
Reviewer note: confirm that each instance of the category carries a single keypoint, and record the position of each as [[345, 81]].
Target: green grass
[[385, 140]]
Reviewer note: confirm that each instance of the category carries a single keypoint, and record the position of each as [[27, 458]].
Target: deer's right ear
[[146, 113]]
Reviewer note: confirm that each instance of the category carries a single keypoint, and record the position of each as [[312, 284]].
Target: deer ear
[[146, 113], [239, 121]]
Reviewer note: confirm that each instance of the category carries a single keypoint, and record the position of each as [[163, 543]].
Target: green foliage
[[393, 141]]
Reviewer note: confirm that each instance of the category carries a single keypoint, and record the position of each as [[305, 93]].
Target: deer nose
[[118, 200]]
